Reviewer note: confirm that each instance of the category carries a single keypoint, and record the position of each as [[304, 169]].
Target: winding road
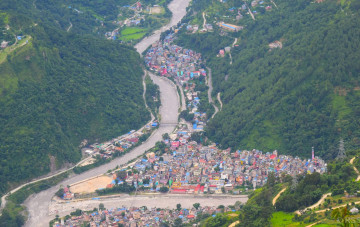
[[356, 170], [38, 204], [277, 196], [211, 101]]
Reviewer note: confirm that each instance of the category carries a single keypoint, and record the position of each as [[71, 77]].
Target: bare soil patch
[[91, 185]]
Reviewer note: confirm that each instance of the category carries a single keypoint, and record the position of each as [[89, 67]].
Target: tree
[[271, 179], [101, 206], [121, 174], [178, 206], [60, 193], [178, 222], [164, 189], [166, 136], [340, 214], [196, 205]]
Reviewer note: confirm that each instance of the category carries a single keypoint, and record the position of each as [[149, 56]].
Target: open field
[[132, 33], [91, 185], [157, 10], [284, 219], [88, 162]]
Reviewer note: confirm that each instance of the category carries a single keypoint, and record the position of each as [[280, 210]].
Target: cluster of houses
[[120, 144], [188, 167], [135, 216], [184, 66], [135, 20]]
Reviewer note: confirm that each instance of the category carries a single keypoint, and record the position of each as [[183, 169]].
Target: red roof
[[197, 188], [133, 140], [272, 156], [191, 216], [175, 143], [179, 190]]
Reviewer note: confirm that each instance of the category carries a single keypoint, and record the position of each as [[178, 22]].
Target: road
[[211, 101], [356, 170], [144, 94], [277, 196], [3, 199], [70, 26], [38, 204], [178, 9], [252, 15], [219, 99], [323, 197], [274, 4], [203, 15], [235, 41]]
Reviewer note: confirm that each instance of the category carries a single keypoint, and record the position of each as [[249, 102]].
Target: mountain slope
[[302, 95], [58, 89]]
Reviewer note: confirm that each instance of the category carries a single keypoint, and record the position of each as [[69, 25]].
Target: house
[[4, 44]]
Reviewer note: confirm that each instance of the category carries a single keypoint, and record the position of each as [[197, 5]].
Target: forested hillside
[[57, 89], [305, 94]]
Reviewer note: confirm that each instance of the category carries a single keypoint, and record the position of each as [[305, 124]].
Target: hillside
[[99, 18], [304, 93], [57, 89]]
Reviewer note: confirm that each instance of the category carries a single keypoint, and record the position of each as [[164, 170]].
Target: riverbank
[[38, 204], [167, 201]]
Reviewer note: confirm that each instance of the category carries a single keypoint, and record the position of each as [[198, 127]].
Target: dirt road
[[211, 101], [277, 196], [356, 170], [316, 204]]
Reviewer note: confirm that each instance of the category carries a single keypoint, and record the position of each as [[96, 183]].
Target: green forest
[[94, 17], [291, 98], [57, 89]]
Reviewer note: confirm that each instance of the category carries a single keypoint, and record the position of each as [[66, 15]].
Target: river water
[[38, 205]]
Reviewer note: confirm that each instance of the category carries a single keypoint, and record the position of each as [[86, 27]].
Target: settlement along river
[[41, 207]]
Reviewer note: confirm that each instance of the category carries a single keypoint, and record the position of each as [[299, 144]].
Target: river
[[38, 204]]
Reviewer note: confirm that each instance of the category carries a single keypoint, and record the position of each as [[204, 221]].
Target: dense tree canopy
[[302, 95], [59, 89]]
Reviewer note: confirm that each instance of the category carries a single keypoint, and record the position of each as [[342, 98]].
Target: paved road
[[38, 204]]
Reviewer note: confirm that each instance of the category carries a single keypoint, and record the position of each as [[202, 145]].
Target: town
[[184, 66], [118, 145], [185, 162], [180, 165], [142, 216]]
